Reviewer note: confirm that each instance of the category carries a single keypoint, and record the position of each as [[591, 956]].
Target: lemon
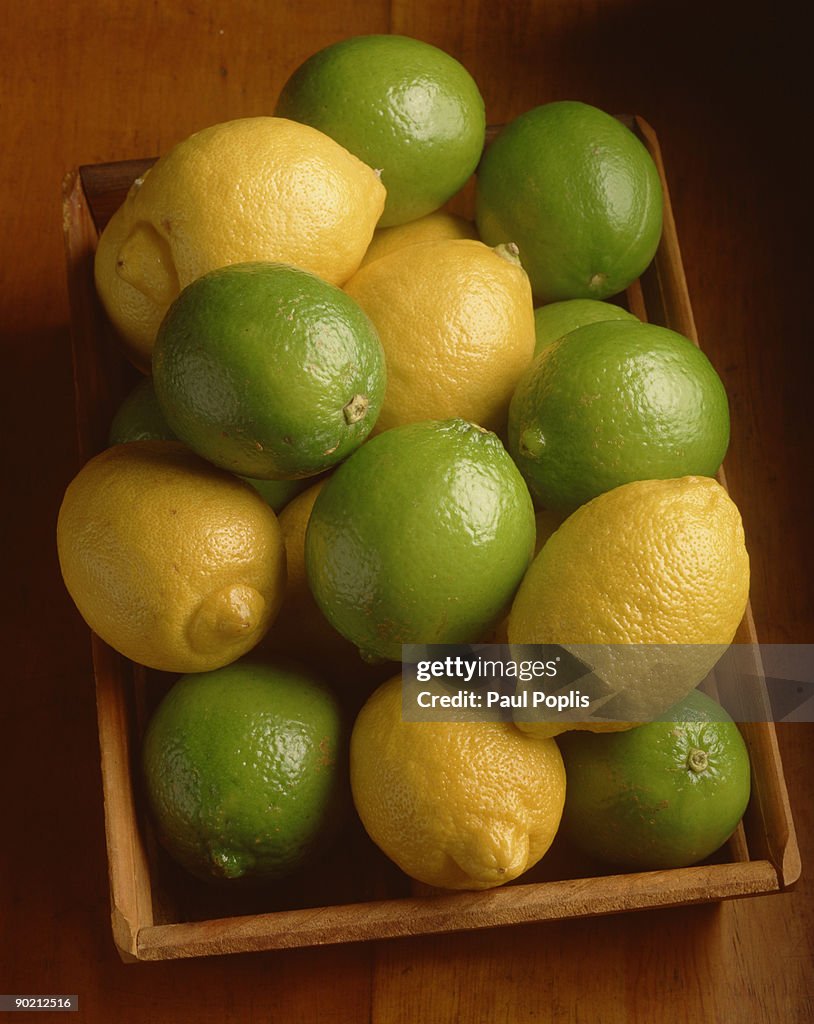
[[556, 319], [647, 583], [456, 322], [421, 536], [256, 188], [401, 105], [613, 402], [245, 770], [301, 627], [134, 314], [269, 371], [579, 195], [301, 630], [431, 228], [174, 563], [666, 794], [466, 805]]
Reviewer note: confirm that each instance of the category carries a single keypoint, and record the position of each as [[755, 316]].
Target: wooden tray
[[159, 913]]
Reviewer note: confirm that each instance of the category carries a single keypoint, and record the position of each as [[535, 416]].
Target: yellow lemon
[[301, 632], [257, 188], [646, 584], [135, 315], [456, 321], [461, 805], [301, 629], [175, 564], [431, 228]]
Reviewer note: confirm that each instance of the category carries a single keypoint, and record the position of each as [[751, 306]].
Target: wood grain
[[724, 87]]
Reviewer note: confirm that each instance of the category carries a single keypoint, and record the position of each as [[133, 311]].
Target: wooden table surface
[[723, 86]]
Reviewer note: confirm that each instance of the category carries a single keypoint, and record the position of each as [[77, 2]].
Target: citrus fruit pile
[[367, 421]]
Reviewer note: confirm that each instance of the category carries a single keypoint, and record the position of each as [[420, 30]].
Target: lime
[[176, 564], [662, 795], [614, 402], [277, 493], [140, 417], [255, 188], [553, 321], [421, 536], [244, 769], [268, 371], [402, 106], [466, 805], [579, 195]]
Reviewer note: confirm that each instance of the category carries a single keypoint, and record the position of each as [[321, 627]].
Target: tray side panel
[[521, 904], [96, 365]]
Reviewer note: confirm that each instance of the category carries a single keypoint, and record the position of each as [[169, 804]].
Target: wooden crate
[[160, 913]]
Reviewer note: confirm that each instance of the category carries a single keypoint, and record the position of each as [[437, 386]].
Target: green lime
[[244, 770], [278, 493], [402, 106], [580, 196], [139, 417], [557, 319], [662, 795], [614, 402], [268, 371], [421, 536]]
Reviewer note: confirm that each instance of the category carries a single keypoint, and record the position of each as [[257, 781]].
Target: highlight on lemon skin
[[434, 227]]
